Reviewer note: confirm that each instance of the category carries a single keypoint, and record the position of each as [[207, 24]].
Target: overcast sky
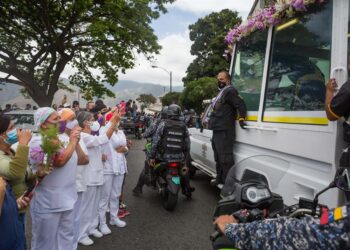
[[172, 31]]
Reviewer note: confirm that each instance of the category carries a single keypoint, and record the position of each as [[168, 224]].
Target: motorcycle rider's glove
[[242, 123]]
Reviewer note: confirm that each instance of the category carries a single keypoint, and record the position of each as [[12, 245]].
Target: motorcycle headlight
[[254, 194]]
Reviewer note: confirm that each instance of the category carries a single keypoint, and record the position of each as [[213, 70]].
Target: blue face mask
[[12, 137]]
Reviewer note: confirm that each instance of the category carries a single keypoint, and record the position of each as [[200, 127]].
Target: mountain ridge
[[124, 90]]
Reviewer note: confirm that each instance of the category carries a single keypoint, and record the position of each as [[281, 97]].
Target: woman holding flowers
[[94, 174], [55, 196]]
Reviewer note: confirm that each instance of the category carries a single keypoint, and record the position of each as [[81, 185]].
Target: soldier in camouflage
[[160, 151], [151, 130], [286, 233]]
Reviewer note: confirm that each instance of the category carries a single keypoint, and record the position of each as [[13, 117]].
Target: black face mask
[[221, 85]]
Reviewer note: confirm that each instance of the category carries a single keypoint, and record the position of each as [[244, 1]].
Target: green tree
[[146, 100], [170, 98], [208, 35], [198, 90], [39, 38]]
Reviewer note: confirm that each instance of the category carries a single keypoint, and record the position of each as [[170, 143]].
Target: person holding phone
[[114, 171], [94, 174], [12, 231], [13, 165]]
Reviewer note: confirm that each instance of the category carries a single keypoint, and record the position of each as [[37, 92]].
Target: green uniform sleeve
[[16, 167]]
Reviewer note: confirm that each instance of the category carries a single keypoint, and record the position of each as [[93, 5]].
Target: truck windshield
[[300, 63]]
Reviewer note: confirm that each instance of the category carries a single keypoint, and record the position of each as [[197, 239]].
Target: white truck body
[[293, 146]]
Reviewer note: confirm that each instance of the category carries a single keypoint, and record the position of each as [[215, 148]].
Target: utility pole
[[170, 75]]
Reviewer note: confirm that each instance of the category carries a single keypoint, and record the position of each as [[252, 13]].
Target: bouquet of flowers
[[49, 149], [269, 16]]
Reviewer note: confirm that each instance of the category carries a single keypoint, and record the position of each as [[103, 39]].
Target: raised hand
[[24, 136], [116, 117], [332, 85], [75, 134]]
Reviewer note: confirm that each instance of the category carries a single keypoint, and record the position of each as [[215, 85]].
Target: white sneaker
[[86, 241], [117, 222], [96, 233], [105, 230]]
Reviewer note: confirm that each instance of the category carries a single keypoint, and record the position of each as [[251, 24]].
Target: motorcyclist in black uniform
[[146, 173], [171, 143]]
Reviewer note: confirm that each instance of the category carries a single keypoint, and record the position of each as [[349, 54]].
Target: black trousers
[[143, 178], [222, 143]]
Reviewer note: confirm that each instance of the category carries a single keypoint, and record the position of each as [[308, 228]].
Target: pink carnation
[[299, 5], [37, 155]]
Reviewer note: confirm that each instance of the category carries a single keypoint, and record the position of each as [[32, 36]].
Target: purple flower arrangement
[[269, 16], [37, 155]]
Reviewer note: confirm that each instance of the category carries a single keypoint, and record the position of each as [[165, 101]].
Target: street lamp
[[170, 74]]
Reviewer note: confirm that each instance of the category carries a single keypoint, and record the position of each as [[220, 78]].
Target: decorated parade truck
[[282, 58]]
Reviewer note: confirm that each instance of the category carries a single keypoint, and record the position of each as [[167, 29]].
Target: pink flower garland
[[267, 17]]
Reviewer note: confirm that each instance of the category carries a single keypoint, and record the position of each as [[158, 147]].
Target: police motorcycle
[[166, 179], [169, 174], [139, 130], [252, 200], [139, 126]]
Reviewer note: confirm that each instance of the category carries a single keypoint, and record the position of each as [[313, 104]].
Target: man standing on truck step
[[222, 120]]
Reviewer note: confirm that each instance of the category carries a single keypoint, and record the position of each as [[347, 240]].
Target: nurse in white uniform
[[54, 198], [68, 122], [113, 180], [94, 174], [120, 146]]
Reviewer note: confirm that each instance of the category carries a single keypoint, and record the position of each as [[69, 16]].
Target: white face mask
[[72, 124], [95, 126]]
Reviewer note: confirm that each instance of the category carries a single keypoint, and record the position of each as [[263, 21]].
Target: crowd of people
[[77, 166], [72, 171]]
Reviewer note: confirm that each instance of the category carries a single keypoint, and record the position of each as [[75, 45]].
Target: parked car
[[23, 119]]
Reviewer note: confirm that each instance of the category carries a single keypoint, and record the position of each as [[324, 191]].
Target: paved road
[[149, 226]]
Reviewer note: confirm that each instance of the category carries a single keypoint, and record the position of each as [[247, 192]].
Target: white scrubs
[[120, 140], [52, 205], [94, 181], [113, 180], [80, 182]]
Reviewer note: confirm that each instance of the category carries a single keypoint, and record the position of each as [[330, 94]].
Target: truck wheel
[[169, 200]]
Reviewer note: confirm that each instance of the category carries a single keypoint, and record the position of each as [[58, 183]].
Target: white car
[[23, 119]]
